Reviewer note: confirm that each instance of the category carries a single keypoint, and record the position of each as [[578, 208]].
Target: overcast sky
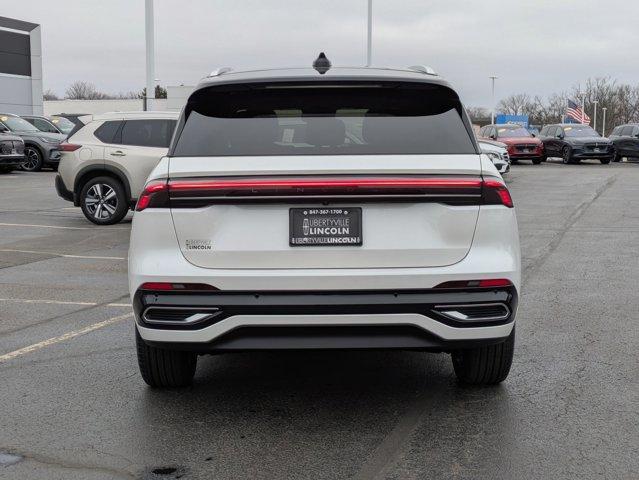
[[538, 47]]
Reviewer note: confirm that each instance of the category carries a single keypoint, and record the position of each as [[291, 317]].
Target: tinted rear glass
[[148, 133], [337, 119], [106, 132]]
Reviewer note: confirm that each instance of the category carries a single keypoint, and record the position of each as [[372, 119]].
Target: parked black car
[[574, 142], [40, 148], [626, 141], [11, 152]]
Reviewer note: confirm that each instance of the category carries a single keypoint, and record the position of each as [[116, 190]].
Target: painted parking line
[[62, 338], [62, 302], [29, 225], [61, 255]]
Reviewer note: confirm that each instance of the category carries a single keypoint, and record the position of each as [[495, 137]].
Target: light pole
[[603, 133], [369, 38], [149, 22], [492, 115], [595, 102]]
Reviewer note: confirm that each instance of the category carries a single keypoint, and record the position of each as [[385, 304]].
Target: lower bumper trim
[[327, 338]]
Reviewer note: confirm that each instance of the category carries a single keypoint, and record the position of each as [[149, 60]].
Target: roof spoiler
[[220, 71], [85, 119], [425, 69]]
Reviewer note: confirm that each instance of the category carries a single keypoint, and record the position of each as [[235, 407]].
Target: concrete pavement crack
[[574, 217]]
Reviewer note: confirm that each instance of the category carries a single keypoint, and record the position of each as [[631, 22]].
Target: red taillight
[[155, 192], [68, 147], [489, 283], [176, 287], [282, 185], [496, 193]]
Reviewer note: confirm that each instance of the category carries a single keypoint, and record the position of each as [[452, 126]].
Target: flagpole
[[583, 109]]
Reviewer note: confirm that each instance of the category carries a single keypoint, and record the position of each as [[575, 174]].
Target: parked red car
[[521, 144]]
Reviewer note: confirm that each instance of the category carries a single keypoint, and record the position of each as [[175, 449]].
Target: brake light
[[68, 147], [282, 185], [487, 283], [495, 192], [155, 194], [176, 287]]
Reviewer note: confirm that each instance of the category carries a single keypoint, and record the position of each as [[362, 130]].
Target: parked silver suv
[[105, 163], [40, 148]]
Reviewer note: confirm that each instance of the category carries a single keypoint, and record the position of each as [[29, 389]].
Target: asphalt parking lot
[[72, 403]]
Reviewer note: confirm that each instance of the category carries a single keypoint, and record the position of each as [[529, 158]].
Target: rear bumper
[[62, 189], [417, 319]]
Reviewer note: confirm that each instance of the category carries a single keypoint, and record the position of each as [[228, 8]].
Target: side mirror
[[493, 136]]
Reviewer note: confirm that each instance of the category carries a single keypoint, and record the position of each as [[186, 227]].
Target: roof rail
[[423, 69], [220, 71]]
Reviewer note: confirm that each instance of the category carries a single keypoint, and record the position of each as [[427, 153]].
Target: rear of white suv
[[349, 209]]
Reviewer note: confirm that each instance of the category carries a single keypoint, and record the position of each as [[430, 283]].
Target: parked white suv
[[349, 209], [106, 162]]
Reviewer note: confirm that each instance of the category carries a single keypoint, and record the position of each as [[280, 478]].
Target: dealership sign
[[512, 119]]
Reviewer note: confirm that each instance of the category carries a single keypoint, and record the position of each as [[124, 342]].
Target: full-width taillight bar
[[198, 192]]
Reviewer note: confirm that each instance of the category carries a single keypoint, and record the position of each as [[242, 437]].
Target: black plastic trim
[[61, 189], [327, 303], [97, 170]]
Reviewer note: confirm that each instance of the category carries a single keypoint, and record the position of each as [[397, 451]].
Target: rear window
[[326, 119]]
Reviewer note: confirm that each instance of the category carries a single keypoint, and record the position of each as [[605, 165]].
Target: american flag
[[575, 112]]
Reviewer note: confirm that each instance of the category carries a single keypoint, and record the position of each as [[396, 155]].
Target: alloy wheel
[[101, 201], [32, 159], [566, 155]]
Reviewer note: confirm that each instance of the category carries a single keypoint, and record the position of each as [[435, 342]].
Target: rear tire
[[488, 365], [618, 158], [537, 161], [165, 368], [604, 161], [103, 201]]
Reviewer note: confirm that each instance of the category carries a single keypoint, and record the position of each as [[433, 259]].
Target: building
[[176, 99], [20, 67]]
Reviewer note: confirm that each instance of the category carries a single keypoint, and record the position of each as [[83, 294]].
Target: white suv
[[106, 162], [340, 209]]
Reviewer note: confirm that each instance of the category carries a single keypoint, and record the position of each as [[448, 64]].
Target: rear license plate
[[328, 227]]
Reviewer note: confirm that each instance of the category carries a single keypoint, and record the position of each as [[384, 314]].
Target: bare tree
[[80, 90], [515, 104], [50, 95], [478, 114], [620, 101]]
